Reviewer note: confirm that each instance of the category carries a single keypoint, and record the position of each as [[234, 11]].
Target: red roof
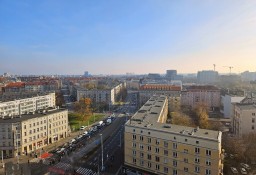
[[15, 84]]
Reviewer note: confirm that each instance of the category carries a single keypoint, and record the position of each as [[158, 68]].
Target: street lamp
[[102, 167]]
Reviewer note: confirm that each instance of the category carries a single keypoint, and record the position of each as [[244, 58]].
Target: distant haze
[[115, 37]]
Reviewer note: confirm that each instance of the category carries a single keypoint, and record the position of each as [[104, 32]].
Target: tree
[[201, 115], [83, 107], [249, 141], [59, 99], [181, 119]]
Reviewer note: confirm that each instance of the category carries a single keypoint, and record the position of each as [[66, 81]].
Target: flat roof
[[147, 118], [246, 106], [25, 117]]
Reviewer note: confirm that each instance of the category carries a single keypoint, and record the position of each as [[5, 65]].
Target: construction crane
[[214, 65], [230, 67]]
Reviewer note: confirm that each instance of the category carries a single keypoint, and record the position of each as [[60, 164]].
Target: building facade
[[155, 147], [207, 77], [227, 104], [100, 95], [12, 107], [31, 132], [148, 90], [193, 96], [243, 121]]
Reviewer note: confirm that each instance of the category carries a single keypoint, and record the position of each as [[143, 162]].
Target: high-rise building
[[86, 74], [155, 147], [171, 74], [207, 77]]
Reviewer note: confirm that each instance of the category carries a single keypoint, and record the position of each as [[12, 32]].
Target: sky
[[121, 36]]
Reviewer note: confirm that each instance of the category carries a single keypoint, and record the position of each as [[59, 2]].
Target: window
[[157, 167], [157, 141], [141, 131], [185, 169], [175, 163], [134, 137], [165, 169], [149, 148], [149, 140], [141, 155], [186, 160], [197, 169], [253, 120], [141, 146], [197, 160], [165, 160], [134, 152], [166, 152], [157, 150], [165, 144], [174, 154], [157, 159], [141, 138], [141, 162], [25, 133], [197, 150], [148, 133], [185, 151], [174, 172], [252, 127], [133, 130], [197, 142], [149, 164], [208, 152], [186, 140], [174, 145], [134, 160], [253, 114], [208, 172], [149, 156], [174, 138], [133, 145], [208, 162]]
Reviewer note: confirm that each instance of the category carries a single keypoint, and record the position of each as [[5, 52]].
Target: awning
[[46, 155]]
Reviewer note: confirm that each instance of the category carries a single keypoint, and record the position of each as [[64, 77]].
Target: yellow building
[[31, 132], [154, 147]]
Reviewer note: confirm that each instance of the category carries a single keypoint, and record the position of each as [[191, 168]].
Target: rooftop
[[25, 117], [246, 106], [205, 87], [148, 116]]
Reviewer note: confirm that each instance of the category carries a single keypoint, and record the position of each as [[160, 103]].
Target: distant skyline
[[115, 37]]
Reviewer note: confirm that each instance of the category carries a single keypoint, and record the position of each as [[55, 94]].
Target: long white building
[[26, 105]]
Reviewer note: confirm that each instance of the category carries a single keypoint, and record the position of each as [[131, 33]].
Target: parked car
[[243, 171], [246, 166], [234, 170]]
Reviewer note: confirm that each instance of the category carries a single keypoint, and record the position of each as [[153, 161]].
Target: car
[[246, 166], [243, 171], [82, 127], [234, 170]]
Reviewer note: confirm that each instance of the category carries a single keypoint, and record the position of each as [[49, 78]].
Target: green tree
[[83, 107]]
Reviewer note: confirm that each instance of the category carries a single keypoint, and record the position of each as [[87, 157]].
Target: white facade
[[227, 104], [248, 76], [26, 105]]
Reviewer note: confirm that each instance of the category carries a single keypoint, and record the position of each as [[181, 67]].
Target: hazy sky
[[119, 36]]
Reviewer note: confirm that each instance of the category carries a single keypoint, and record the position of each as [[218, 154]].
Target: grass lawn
[[75, 124]]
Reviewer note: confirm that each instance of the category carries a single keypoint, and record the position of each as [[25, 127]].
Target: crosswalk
[[85, 171], [65, 167]]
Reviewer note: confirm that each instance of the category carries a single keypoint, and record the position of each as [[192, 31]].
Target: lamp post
[[102, 167]]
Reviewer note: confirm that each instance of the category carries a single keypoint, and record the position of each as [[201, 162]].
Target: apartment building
[[207, 77], [227, 104], [100, 95], [155, 147], [28, 104], [207, 95], [148, 90], [30, 132], [243, 121]]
